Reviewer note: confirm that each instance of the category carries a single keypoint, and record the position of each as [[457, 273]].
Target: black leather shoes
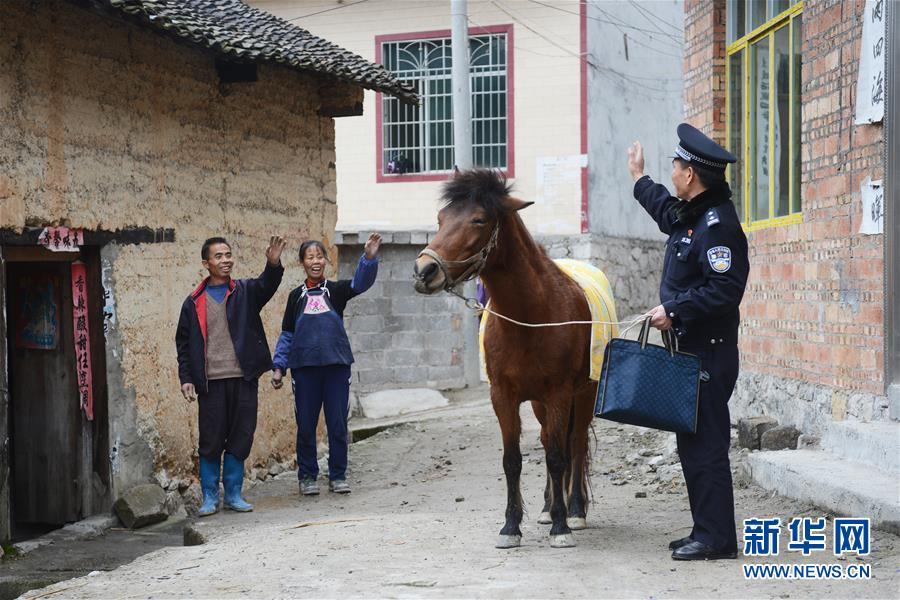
[[676, 544], [699, 551]]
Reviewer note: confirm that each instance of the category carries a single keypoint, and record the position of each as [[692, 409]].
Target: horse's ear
[[455, 172], [514, 204]]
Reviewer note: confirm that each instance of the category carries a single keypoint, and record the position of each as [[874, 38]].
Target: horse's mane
[[485, 187]]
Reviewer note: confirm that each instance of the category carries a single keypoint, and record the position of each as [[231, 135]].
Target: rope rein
[[474, 265], [474, 305]]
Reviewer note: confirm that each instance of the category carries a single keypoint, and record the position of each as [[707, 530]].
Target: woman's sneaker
[[339, 486], [309, 487]]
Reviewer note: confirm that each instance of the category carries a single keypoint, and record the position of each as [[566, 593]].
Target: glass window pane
[[781, 149], [736, 127], [756, 13], [795, 112], [734, 16], [779, 6], [759, 123]]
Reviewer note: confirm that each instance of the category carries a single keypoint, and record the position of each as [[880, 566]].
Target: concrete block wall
[[400, 338], [633, 266], [813, 314]]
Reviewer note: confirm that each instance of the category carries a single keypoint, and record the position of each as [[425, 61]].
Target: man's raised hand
[[277, 245]]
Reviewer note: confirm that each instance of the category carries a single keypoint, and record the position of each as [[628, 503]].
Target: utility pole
[[462, 152], [462, 119]]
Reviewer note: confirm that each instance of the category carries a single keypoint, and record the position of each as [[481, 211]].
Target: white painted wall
[[633, 97], [547, 107]]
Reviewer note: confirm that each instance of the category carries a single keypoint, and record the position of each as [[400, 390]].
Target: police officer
[[703, 280]]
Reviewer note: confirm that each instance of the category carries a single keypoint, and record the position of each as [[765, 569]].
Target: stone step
[[842, 486], [876, 443]]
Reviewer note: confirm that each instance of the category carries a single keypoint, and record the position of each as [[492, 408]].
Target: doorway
[[57, 456]]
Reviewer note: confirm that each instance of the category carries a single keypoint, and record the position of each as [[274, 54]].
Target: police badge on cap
[[700, 151]]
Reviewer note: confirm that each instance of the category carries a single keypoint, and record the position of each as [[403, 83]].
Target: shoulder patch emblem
[[719, 258], [712, 217]]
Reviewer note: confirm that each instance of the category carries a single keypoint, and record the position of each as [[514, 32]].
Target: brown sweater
[[221, 360]]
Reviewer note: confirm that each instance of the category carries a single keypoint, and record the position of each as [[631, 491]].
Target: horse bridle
[[474, 264]]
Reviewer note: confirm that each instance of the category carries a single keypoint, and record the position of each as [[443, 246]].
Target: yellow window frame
[[742, 44]]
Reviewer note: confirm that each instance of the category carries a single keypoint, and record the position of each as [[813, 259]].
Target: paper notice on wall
[[558, 194], [84, 379], [61, 239], [872, 193], [870, 83], [109, 302]]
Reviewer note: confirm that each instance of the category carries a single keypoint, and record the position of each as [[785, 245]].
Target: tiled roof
[[239, 31]]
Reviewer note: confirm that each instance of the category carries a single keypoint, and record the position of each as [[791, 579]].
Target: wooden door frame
[[5, 512], [95, 436]]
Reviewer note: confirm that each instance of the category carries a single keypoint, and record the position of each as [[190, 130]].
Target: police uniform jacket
[[706, 265]]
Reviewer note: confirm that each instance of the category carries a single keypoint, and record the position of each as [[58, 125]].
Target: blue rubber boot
[[209, 483], [232, 481]]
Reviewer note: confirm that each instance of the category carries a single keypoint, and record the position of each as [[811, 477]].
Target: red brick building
[[814, 332]]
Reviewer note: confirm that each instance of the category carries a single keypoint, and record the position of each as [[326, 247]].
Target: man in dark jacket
[[704, 275], [222, 351]]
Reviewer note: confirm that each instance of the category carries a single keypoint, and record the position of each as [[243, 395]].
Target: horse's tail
[[585, 481]]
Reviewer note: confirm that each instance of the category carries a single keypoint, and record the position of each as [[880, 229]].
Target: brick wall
[[813, 315], [704, 66], [106, 126]]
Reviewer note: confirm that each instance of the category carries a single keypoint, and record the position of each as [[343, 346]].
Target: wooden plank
[[5, 523], [129, 235], [38, 254], [96, 439]]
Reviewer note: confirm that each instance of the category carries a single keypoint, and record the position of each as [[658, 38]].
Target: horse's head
[[475, 205]]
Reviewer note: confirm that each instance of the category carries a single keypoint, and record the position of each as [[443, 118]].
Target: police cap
[[700, 151]]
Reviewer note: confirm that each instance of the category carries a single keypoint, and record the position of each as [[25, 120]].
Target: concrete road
[[427, 504]]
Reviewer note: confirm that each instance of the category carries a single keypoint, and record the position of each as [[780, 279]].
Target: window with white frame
[[419, 139]]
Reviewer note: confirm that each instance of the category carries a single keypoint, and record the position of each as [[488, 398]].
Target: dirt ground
[[427, 504]]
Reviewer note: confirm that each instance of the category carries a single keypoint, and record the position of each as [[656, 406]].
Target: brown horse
[[480, 232]]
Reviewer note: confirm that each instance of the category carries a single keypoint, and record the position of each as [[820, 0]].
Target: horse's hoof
[[545, 518], [563, 540], [509, 541], [576, 523]]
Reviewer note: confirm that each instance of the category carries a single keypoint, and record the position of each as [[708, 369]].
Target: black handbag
[[648, 385]]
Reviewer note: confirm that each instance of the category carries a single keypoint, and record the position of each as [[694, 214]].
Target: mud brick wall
[[107, 126], [812, 335]]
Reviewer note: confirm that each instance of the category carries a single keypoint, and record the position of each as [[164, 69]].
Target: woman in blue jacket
[[314, 345]]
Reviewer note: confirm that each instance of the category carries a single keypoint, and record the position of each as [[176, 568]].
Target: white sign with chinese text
[[870, 84], [61, 239], [872, 193]]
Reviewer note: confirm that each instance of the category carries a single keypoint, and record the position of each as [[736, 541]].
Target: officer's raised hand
[[276, 247], [659, 319], [636, 161]]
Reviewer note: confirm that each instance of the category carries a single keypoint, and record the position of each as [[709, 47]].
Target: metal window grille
[[419, 139]]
